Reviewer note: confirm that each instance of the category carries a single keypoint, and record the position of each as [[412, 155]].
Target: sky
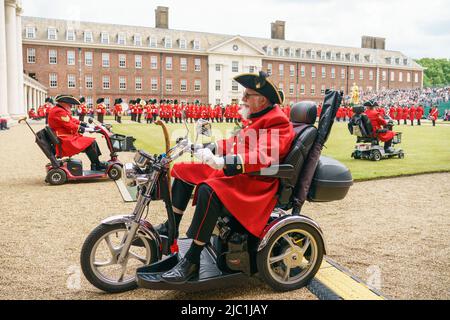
[[418, 29]]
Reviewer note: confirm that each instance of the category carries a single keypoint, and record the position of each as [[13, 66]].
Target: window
[[183, 85], [313, 54], [107, 101], [392, 76], [70, 58], [30, 32], [361, 74], [168, 42], [408, 77], [53, 80], [71, 82], [218, 85], [342, 73], [313, 90], [153, 42], [169, 85], [371, 75], [302, 71], [106, 83], [154, 62], [302, 89], [89, 101], [122, 83], [31, 55], [416, 77], [235, 66], [400, 76], [281, 70], [52, 34], [89, 82], [281, 52], [169, 63], [269, 69], [88, 38], [70, 35], [198, 85], [218, 67], [154, 84], [122, 60], [292, 71], [234, 86], [105, 60], [281, 86], [137, 40], [324, 72], [121, 39], [138, 83], [269, 51], [292, 89], [52, 56], [138, 62], [196, 45], [183, 44], [88, 59], [198, 65], [352, 74], [384, 75], [313, 72], [333, 73], [183, 64], [104, 38], [322, 90]]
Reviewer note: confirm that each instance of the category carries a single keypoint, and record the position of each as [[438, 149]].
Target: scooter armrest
[[283, 171]]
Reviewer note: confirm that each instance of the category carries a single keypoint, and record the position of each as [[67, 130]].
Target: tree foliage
[[437, 73]]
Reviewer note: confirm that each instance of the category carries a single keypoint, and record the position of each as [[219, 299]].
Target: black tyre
[[115, 173], [56, 177], [99, 258], [401, 155], [376, 155], [292, 257]]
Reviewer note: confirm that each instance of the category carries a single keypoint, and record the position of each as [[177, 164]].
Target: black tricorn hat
[[67, 99], [82, 100], [49, 100], [371, 104], [138, 100], [119, 101], [100, 100], [262, 85]]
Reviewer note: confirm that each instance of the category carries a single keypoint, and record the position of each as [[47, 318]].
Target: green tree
[[437, 73]]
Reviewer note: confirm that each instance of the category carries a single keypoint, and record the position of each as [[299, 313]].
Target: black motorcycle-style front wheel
[[100, 254]]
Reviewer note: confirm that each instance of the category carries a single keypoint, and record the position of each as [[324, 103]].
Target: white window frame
[[122, 83], [408, 77], [168, 42], [281, 70], [31, 55], [269, 69], [269, 50], [88, 37], [153, 42], [392, 76], [400, 76], [313, 89], [292, 70], [234, 86], [106, 60], [106, 82], [53, 80], [154, 62], [218, 85], [416, 77], [333, 73], [30, 32], [89, 81], [361, 74], [292, 89], [169, 63], [104, 38], [71, 81], [313, 72], [198, 85], [218, 68], [138, 83], [302, 89], [324, 72], [138, 61], [197, 65], [196, 44], [122, 39], [138, 40], [53, 58], [122, 61], [352, 74], [169, 85], [235, 66], [384, 75], [343, 72], [71, 35], [89, 58], [154, 84], [71, 57], [89, 101], [371, 75], [52, 34], [182, 44], [302, 71], [183, 85], [183, 64], [322, 90]]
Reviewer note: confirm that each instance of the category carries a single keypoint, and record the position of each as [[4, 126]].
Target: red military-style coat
[[249, 199], [419, 113], [378, 123], [66, 128], [412, 113], [399, 115]]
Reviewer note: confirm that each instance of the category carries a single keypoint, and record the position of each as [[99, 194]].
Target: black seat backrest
[[303, 117], [360, 124], [51, 136], [47, 147]]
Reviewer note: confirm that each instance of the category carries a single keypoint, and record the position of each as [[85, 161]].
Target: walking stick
[[167, 140]]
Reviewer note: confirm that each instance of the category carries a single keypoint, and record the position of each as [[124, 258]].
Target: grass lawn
[[427, 148]]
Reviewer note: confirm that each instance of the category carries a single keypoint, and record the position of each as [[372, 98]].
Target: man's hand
[[90, 130], [207, 157]]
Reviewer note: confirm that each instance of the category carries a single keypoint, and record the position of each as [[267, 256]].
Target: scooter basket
[[122, 143], [397, 138]]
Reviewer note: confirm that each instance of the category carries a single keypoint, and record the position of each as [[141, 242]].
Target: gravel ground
[[400, 246]]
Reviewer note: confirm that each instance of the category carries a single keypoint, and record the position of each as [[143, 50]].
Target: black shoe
[[163, 230], [101, 166], [182, 273]]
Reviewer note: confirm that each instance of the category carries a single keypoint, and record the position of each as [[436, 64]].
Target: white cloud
[[416, 28]]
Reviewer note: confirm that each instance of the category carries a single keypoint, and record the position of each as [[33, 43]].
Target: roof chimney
[[278, 30], [373, 43], [162, 17]]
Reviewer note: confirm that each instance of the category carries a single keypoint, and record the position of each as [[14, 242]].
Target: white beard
[[244, 112]]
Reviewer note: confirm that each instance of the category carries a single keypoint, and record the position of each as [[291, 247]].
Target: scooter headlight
[[131, 173], [143, 159]]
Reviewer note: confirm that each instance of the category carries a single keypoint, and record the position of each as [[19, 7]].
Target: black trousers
[[93, 153], [209, 209], [81, 117], [100, 118], [119, 119]]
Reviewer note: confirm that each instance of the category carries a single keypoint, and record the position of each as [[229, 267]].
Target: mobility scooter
[[59, 171], [125, 252], [367, 144]]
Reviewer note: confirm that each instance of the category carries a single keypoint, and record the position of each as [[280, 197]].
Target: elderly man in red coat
[[419, 114], [70, 132], [378, 123], [412, 114], [223, 182]]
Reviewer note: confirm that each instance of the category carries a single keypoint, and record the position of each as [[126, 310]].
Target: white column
[[3, 64], [35, 97], [11, 57], [20, 97], [25, 96], [29, 98]]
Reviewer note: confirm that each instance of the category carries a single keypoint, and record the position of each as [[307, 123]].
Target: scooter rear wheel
[[100, 253], [56, 177], [115, 173], [292, 257]]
